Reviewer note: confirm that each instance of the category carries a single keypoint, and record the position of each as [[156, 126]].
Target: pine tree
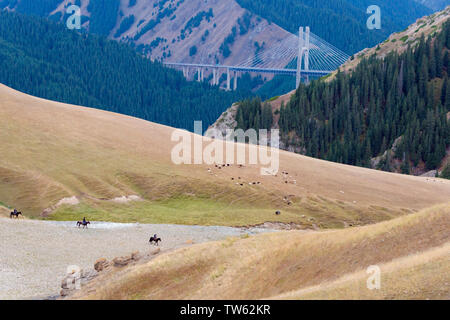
[[446, 172]]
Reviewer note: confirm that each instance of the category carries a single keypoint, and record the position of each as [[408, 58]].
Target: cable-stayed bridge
[[314, 57]]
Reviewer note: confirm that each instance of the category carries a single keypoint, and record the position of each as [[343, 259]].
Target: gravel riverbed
[[35, 255]]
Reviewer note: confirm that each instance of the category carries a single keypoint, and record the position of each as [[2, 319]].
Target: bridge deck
[[249, 69]]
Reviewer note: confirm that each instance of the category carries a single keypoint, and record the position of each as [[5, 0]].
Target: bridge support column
[[235, 81], [303, 50], [228, 79], [214, 76]]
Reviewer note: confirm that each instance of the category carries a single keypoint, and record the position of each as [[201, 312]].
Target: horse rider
[[84, 221], [15, 211]]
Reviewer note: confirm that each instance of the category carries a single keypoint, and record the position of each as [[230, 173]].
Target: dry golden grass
[[425, 275], [52, 150], [270, 265], [4, 212]]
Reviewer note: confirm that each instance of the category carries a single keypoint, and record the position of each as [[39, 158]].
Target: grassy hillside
[[4, 210], [421, 276], [55, 151], [388, 113], [412, 252]]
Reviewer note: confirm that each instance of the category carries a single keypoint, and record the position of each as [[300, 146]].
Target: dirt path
[[35, 255]]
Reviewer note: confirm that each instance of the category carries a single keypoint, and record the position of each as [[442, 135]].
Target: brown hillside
[[272, 264], [53, 151]]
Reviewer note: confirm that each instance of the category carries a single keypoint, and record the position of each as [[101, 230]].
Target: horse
[[153, 239], [15, 214], [83, 223]]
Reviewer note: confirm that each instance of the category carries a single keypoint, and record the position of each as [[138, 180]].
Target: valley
[[97, 156], [102, 159], [122, 194]]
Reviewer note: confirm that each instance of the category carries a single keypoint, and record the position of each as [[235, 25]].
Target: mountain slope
[[399, 41], [389, 113], [54, 152], [205, 26], [343, 22], [251, 269], [226, 31], [47, 60], [417, 276], [386, 109], [170, 29]]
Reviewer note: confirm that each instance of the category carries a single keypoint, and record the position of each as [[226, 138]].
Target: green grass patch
[[180, 210], [190, 210], [4, 205], [418, 29]]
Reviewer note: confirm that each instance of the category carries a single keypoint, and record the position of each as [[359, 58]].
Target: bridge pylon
[[303, 53], [214, 79], [324, 59]]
